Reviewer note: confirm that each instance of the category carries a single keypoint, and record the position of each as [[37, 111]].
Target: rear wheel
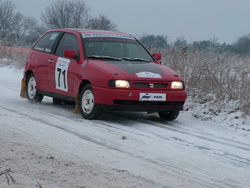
[[88, 108], [31, 90], [169, 115]]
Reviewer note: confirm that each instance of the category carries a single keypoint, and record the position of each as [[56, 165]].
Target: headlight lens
[[122, 84], [177, 85]]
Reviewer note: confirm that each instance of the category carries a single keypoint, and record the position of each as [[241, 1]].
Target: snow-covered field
[[48, 146]]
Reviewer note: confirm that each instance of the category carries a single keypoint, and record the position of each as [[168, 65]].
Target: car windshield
[[115, 48]]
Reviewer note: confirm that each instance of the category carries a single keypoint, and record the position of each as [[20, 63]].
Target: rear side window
[[45, 44]]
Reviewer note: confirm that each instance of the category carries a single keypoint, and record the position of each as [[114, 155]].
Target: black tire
[[31, 90], [87, 105], [168, 115]]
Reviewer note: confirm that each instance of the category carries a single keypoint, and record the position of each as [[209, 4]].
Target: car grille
[[150, 85]]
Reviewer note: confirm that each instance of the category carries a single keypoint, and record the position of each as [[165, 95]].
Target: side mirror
[[157, 57], [70, 53]]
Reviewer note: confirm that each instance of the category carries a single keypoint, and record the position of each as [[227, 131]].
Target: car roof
[[90, 31]]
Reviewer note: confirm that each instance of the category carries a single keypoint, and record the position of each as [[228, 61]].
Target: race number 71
[[61, 72]]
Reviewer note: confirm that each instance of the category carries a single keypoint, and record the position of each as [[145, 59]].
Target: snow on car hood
[[137, 70]]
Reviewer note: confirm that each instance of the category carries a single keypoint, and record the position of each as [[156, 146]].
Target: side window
[[68, 42], [45, 44]]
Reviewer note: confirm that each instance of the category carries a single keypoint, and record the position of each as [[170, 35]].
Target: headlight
[[177, 85], [122, 84]]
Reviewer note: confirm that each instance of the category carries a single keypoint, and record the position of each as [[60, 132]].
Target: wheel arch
[[82, 84], [28, 72]]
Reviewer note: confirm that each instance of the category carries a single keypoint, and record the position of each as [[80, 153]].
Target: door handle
[[50, 61]]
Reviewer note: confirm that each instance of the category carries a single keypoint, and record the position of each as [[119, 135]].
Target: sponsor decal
[[47, 50], [91, 35], [84, 63], [148, 75], [152, 97], [61, 73], [53, 36]]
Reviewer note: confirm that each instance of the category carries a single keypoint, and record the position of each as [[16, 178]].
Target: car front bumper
[[128, 99]]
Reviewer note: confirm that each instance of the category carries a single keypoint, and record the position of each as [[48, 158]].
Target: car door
[[40, 55], [62, 71]]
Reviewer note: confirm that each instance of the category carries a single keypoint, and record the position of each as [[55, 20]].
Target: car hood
[[136, 70]]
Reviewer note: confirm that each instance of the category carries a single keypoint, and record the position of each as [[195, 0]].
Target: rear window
[[45, 44]]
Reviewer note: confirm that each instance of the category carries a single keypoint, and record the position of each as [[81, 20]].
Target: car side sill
[[57, 96]]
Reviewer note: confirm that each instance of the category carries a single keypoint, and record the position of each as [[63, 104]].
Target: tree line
[[18, 30], [241, 46]]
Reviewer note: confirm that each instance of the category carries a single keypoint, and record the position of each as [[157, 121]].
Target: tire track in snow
[[156, 164], [128, 125], [169, 126]]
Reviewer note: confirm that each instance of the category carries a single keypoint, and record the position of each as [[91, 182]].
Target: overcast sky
[[194, 20]]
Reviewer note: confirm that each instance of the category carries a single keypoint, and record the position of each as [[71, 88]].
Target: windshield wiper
[[104, 57], [134, 59]]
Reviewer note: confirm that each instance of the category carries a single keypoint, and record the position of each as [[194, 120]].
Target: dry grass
[[15, 57], [221, 80]]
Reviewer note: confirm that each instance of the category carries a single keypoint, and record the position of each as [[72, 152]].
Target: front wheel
[[88, 108], [31, 90], [168, 115]]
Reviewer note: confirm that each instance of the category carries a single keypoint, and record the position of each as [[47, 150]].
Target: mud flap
[[23, 89], [77, 109]]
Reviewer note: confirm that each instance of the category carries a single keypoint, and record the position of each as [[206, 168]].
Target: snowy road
[[49, 146]]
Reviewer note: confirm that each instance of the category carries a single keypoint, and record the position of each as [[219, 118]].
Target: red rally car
[[101, 69]]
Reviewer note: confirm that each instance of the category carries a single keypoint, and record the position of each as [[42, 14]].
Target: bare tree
[[102, 22], [15, 28], [6, 14], [22, 28], [66, 14], [34, 34]]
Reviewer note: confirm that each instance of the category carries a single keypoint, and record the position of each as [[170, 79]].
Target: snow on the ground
[[49, 146]]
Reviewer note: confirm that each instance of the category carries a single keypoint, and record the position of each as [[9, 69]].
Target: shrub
[[13, 56], [218, 79]]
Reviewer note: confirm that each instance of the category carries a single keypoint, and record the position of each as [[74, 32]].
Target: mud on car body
[[99, 70]]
